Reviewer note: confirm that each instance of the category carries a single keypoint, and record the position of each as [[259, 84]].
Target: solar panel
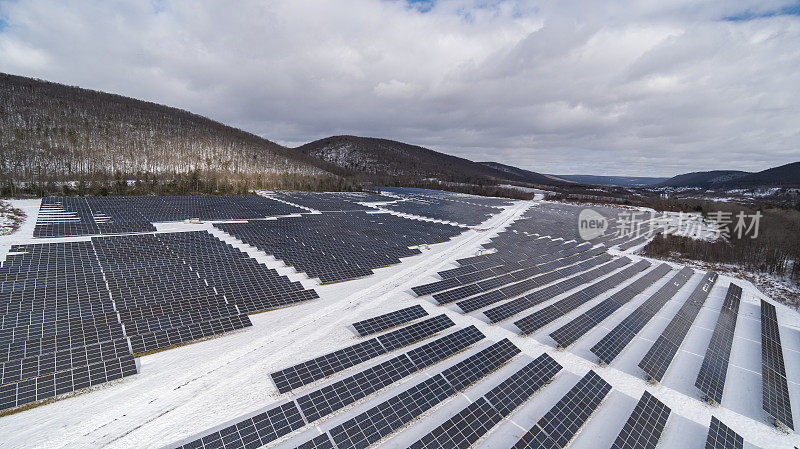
[[645, 425], [464, 429], [547, 315], [389, 320], [721, 436], [444, 347], [660, 355], [253, 432], [575, 329], [313, 370], [37, 389], [560, 425], [610, 346], [333, 397], [774, 387], [711, 379], [319, 442], [514, 391], [389, 416], [468, 371], [307, 372], [415, 332]]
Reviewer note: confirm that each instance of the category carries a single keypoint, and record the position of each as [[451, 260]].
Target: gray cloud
[[632, 88]]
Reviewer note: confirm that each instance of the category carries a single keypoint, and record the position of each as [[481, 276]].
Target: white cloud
[[643, 87]]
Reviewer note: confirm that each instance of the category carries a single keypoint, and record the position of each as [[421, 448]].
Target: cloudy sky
[[647, 87]]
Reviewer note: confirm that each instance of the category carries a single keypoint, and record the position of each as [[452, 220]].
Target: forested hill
[[50, 131], [388, 160], [52, 135]]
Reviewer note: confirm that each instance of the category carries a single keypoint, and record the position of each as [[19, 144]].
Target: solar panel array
[[711, 379], [440, 209], [313, 370], [774, 386], [419, 193], [161, 300], [560, 425], [660, 355], [337, 246], [547, 315], [58, 328], [330, 201], [643, 428], [66, 216], [389, 320], [610, 346], [244, 282], [721, 436], [71, 310], [575, 329]]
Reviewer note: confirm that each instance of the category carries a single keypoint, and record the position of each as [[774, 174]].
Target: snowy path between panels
[[183, 392]]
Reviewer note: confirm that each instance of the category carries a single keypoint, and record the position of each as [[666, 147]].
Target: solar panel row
[[643, 428], [721, 436], [711, 379], [660, 355], [389, 320], [560, 425], [313, 370], [575, 329], [610, 346], [36, 389], [774, 386], [253, 432], [547, 315]]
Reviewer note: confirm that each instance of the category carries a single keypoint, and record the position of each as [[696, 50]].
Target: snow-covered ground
[[183, 392]]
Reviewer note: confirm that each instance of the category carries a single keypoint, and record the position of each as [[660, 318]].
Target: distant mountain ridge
[[622, 181], [787, 175], [526, 175]]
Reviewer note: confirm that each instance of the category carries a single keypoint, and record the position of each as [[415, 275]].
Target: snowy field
[[181, 393]]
